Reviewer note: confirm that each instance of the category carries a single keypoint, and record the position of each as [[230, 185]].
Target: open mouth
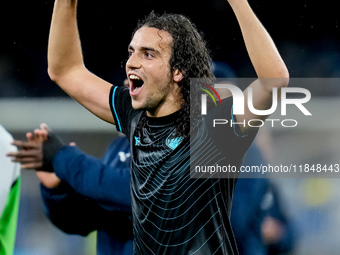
[[135, 83]]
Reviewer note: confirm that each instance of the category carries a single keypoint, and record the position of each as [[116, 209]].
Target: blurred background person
[[260, 223], [277, 230]]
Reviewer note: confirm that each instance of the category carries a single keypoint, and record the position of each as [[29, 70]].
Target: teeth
[[134, 77]]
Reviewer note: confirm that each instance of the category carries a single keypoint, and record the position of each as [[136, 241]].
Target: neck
[[171, 104], [164, 110]]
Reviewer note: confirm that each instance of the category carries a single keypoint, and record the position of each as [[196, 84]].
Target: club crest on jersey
[[172, 143]]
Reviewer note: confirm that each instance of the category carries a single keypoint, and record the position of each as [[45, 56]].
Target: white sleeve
[[9, 171]]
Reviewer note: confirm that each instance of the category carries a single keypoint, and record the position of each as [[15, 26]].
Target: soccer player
[[9, 194], [172, 212]]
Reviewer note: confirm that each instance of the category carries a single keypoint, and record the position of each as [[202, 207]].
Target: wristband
[[51, 147]]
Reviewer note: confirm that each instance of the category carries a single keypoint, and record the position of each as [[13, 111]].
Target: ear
[[178, 76]]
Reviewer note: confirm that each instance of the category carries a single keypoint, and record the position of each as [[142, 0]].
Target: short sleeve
[[121, 108]]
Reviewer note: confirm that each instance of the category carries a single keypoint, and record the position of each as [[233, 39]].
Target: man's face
[[153, 86]]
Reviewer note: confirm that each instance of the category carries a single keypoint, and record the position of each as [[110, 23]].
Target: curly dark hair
[[189, 55]]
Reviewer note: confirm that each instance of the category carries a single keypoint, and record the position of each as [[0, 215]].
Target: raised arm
[[267, 62], [66, 66]]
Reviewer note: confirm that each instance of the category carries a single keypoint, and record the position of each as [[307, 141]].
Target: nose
[[133, 62]]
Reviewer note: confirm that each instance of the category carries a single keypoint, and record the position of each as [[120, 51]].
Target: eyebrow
[[145, 49]]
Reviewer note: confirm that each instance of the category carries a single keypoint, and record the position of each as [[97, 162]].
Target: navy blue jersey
[[173, 212]]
